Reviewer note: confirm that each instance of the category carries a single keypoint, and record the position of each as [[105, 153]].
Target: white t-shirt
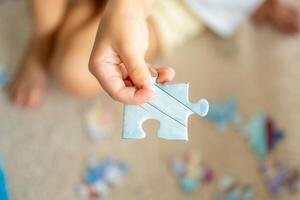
[[223, 16]]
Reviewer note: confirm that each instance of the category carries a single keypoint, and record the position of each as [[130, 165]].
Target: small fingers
[[111, 78], [127, 94], [165, 74], [136, 66]]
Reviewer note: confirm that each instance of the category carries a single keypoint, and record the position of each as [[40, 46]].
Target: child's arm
[[119, 49]]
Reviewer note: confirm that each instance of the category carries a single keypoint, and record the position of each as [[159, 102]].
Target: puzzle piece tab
[[170, 107]]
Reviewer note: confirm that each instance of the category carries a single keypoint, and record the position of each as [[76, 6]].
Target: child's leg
[[69, 64], [69, 57], [27, 87], [74, 44]]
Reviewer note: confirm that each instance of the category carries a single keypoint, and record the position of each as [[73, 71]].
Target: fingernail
[[149, 85]]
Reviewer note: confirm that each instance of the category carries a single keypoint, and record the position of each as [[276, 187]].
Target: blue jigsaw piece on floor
[[223, 113], [3, 77], [255, 131], [3, 189], [170, 107]]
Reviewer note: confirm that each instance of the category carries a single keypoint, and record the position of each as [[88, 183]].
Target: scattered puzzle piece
[[255, 131], [224, 113], [226, 183], [101, 176], [230, 189], [191, 171], [279, 177], [170, 107], [3, 76], [99, 121], [262, 133], [270, 133], [260, 130], [3, 189]]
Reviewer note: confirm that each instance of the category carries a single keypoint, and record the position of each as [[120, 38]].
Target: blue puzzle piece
[[170, 107], [255, 131], [3, 189], [224, 113], [3, 77], [188, 184]]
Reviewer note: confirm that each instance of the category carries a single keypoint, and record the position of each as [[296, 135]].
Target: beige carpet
[[45, 151]]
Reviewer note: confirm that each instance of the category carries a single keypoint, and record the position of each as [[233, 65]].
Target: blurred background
[[45, 152]]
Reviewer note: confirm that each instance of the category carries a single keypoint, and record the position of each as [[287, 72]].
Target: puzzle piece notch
[[170, 107]]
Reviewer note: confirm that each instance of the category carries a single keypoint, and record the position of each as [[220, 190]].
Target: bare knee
[[47, 15], [74, 44], [73, 76]]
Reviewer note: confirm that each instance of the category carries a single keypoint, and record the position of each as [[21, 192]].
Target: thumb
[[137, 67]]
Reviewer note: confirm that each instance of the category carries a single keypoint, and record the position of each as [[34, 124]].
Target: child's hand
[[117, 60]]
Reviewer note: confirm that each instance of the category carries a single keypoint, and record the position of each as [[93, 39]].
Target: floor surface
[[45, 151]]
